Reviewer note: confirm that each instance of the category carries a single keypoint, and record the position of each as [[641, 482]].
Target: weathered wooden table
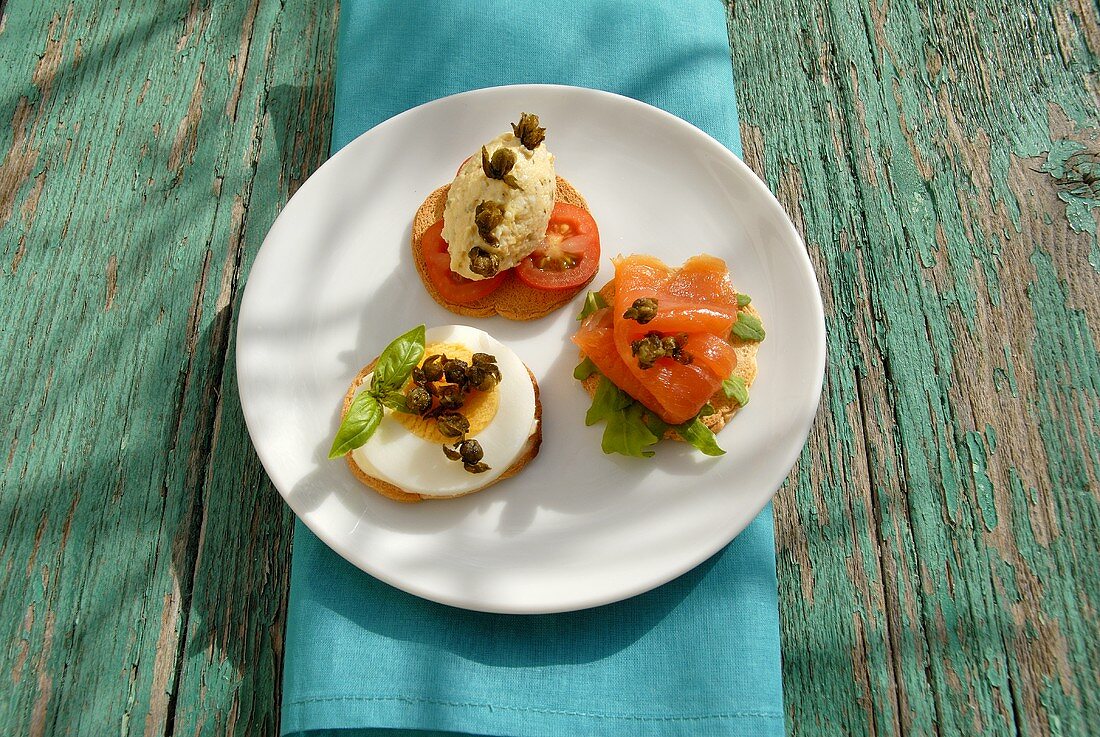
[[938, 541]]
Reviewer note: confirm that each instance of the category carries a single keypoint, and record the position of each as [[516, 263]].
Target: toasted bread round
[[724, 407], [512, 299], [392, 491]]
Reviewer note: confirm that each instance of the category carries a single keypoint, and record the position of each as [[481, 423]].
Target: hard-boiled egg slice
[[418, 466]]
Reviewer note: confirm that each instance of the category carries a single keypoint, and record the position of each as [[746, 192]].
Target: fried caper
[[470, 451], [482, 377], [481, 358], [484, 263], [488, 215], [433, 367], [655, 346], [527, 130], [452, 424], [418, 400], [648, 350], [499, 165], [642, 311], [450, 397], [454, 370]]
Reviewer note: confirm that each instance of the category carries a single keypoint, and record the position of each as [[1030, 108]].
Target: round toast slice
[[392, 491], [513, 299], [724, 407]]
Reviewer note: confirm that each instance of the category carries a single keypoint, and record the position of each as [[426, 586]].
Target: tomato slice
[[451, 286], [570, 254]]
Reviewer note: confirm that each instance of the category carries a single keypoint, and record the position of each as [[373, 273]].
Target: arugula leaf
[[631, 428], [734, 388], [699, 435], [748, 327], [607, 400], [594, 301], [655, 423], [584, 369], [743, 300], [626, 433], [363, 417], [395, 400], [397, 362]]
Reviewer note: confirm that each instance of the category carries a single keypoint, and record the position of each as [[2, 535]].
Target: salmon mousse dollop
[[508, 235]]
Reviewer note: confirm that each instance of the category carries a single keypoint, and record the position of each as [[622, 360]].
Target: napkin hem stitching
[[537, 710]]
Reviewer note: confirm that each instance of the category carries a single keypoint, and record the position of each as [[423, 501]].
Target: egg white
[[418, 466]]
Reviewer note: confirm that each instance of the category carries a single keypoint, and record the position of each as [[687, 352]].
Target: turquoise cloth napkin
[[698, 656]]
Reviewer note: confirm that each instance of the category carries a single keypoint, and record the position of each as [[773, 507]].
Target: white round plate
[[334, 282]]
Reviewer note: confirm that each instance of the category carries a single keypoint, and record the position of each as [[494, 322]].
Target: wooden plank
[[939, 164], [230, 676], [125, 209]]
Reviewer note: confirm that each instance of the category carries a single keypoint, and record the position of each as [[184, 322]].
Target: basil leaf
[[594, 301], [699, 435], [584, 369], [748, 327], [734, 388], [743, 300], [627, 434], [363, 417], [397, 362], [395, 400], [607, 400]]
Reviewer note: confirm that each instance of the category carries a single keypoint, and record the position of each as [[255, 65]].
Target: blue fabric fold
[[697, 656]]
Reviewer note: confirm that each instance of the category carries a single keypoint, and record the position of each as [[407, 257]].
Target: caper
[[418, 400], [455, 371], [475, 375], [655, 346], [451, 453], [678, 354], [487, 216], [453, 424], [482, 377], [642, 311], [499, 165], [648, 350], [476, 467], [471, 451], [527, 130], [433, 367], [484, 263], [450, 397], [479, 358]]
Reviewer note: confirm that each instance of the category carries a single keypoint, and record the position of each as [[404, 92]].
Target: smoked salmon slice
[[696, 302], [596, 340]]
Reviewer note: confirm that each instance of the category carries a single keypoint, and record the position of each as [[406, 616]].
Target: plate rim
[[642, 583]]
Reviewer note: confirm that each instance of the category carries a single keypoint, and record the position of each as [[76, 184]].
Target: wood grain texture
[[937, 541], [143, 554]]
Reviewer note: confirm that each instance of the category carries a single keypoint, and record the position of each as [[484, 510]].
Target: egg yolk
[[478, 407]]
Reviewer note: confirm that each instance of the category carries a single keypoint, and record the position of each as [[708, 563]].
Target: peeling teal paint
[[983, 487], [1077, 172]]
